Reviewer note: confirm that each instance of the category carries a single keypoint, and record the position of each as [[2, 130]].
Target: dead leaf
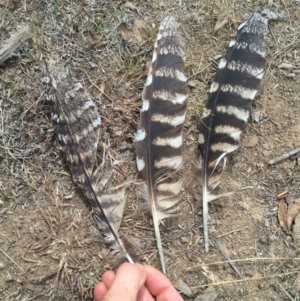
[[283, 213], [273, 15], [137, 34], [296, 234], [250, 142], [287, 212], [140, 29], [223, 19], [130, 5], [292, 213], [147, 67], [125, 32]]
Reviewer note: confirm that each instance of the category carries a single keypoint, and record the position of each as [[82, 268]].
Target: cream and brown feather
[[77, 125], [159, 137], [228, 108]]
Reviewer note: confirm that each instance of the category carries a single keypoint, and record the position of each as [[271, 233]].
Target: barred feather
[[77, 124], [227, 111], [159, 137]]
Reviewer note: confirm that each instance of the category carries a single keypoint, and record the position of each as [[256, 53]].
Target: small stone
[[255, 116], [2, 265], [9, 278], [207, 295], [185, 239], [264, 240], [250, 142], [183, 287], [285, 66], [218, 56], [193, 83], [289, 239]]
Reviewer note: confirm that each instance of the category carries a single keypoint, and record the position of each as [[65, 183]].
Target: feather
[[159, 137], [77, 124], [228, 108]]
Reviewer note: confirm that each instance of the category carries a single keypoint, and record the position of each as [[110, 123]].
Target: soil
[[49, 246]]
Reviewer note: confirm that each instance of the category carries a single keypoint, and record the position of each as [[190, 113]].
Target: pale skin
[[135, 282]]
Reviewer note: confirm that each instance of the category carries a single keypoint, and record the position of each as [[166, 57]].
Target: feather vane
[[77, 124], [159, 137], [228, 108]]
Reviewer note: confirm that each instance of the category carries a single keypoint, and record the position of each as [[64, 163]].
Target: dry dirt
[[49, 248]]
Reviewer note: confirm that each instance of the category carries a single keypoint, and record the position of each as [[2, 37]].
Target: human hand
[[134, 282]]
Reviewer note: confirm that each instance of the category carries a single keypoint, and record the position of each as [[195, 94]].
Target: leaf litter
[[138, 33], [288, 210], [41, 178]]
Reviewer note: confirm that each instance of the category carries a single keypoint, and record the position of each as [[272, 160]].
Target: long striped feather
[[159, 137], [228, 108], [77, 124]]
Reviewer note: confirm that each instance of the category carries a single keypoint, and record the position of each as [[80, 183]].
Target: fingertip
[[132, 269], [159, 285], [128, 281], [100, 291], [108, 278]]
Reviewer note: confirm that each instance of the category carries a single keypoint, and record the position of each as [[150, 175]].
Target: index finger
[[160, 286]]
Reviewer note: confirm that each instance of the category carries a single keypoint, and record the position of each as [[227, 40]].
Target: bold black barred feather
[[159, 137], [227, 111], [77, 124]]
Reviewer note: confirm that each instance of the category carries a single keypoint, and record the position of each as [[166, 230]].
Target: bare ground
[[49, 248]]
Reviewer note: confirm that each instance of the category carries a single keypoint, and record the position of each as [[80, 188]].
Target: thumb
[[128, 281]]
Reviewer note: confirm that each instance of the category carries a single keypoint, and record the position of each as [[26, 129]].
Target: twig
[[11, 259], [281, 194], [102, 92], [238, 230], [296, 97], [225, 253], [245, 188], [14, 43], [255, 130], [285, 156], [241, 260], [211, 16], [245, 279], [194, 74], [271, 31]]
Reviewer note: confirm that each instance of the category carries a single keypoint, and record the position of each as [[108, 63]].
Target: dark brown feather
[[232, 92], [159, 137], [77, 124]]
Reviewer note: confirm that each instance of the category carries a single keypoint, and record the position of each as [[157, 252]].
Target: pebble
[[2, 265], [207, 295], [285, 66], [255, 116], [193, 83], [183, 287], [185, 239], [9, 278]]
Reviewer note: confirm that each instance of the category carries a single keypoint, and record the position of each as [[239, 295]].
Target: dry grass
[[50, 249]]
